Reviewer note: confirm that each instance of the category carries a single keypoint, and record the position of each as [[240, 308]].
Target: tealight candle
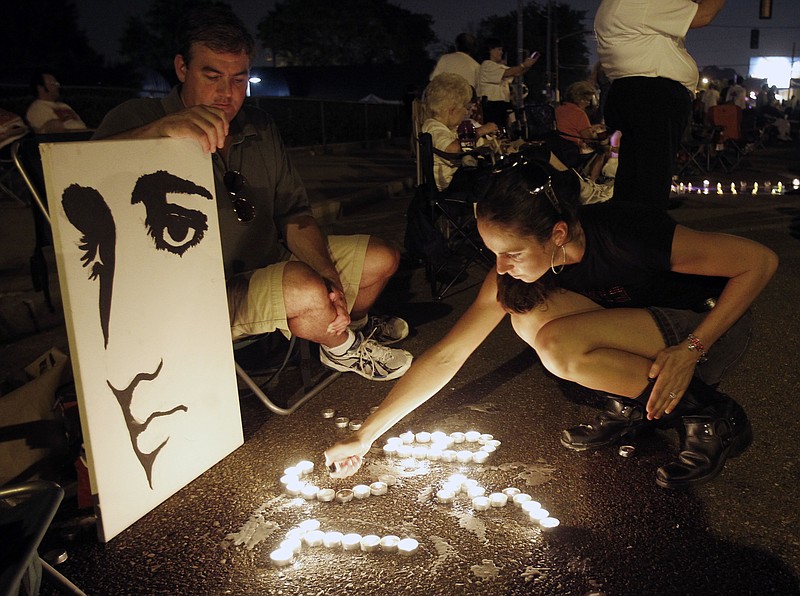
[[548, 523], [328, 413], [351, 541], [326, 495], [472, 436], [344, 496], [309, 492], [295, 533], [407, 437], [480, 457], [538, 514], [485, 438], [404, 450], [293, 489], [468, 483], [370, 543], [291, 471], [373, 409], [705, 183], [480, 503], [341, 422], [488, 448], [423, 437], [390, 449], [498, 499], [361, 491], [520, 498], [287, 478], [529, 506], [419, 452], [445, 496], [304, 467], [378, 488], [332, 539], [389, 543], [355, 424], [458, 437], [407, 546], [434, 454], [394, 441], [475, 491], [292, 544], [448, 455], [494, 443], [388, 479], [453, 487], [439, 437], [281, 557], [511, 491], [314, 538], [464, 457]]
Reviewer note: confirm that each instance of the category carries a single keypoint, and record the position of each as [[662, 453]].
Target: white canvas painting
[[140, 265]]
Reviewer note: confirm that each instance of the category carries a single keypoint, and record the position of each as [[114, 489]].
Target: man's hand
[[204, 124], [342, 319]]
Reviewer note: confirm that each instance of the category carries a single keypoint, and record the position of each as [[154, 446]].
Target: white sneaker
[[369, 359], [591, 192], [385, 330]]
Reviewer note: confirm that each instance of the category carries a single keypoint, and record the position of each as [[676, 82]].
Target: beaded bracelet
[[695, 345]]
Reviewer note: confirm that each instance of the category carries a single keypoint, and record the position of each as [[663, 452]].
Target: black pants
[[652, 114]]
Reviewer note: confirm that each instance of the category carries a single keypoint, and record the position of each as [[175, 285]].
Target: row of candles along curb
[[706, 189], [309, 534]]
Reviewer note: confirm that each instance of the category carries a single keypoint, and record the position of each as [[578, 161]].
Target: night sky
[[726, 43]]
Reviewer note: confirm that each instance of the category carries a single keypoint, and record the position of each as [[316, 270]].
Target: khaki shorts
[[255, 299]]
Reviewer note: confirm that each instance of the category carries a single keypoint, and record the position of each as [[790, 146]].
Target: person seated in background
[[47, 114], [282, 272], [461, 61], [583, 149], [448, 101]]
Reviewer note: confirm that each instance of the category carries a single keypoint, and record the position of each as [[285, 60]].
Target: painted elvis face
[[115, 248]]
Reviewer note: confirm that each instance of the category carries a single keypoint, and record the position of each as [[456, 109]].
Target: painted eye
[[177, 229]]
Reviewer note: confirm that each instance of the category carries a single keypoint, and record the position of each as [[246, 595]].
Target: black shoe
[[622, 417], [710, 441]]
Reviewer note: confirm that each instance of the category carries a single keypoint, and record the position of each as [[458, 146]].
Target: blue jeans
[[676, 324]]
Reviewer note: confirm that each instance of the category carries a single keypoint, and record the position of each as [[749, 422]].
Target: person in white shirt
[[640, 44], [461, 61], [737, 94], [47, 114], [493, 82]]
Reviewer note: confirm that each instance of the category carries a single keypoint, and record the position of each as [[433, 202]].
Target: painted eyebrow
[[161, 183]]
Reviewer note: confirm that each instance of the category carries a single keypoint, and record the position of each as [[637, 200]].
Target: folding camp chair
[[25, 154], [452, 215], [26, 511], [28, 161], [730, 149], [696, 149]]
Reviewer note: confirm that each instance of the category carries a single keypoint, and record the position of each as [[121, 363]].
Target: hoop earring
[[563, 248]]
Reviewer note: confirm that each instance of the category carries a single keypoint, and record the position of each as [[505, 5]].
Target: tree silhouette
[[45, 34], [348, 32]]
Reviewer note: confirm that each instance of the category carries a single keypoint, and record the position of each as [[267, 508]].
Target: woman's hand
[[347, 456], [673, 370], [486, 129]]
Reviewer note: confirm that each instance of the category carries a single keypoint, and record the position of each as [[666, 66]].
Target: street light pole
[[556, 50]]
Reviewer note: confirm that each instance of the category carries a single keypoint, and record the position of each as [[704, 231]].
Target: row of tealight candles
[[309, 535], [743, 188], [295, 486], [438, 445], [460, 484]]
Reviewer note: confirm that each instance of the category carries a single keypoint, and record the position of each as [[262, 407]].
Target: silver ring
[[672, 395]]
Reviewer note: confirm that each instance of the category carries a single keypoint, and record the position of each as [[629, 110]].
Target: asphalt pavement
[[619, 533]]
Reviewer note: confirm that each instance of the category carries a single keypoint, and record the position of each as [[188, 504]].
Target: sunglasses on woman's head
[[234, 184]]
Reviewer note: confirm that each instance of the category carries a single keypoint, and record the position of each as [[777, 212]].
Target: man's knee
[[303, 288], [382, 259]]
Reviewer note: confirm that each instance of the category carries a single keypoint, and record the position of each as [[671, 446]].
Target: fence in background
[[301, 121]]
